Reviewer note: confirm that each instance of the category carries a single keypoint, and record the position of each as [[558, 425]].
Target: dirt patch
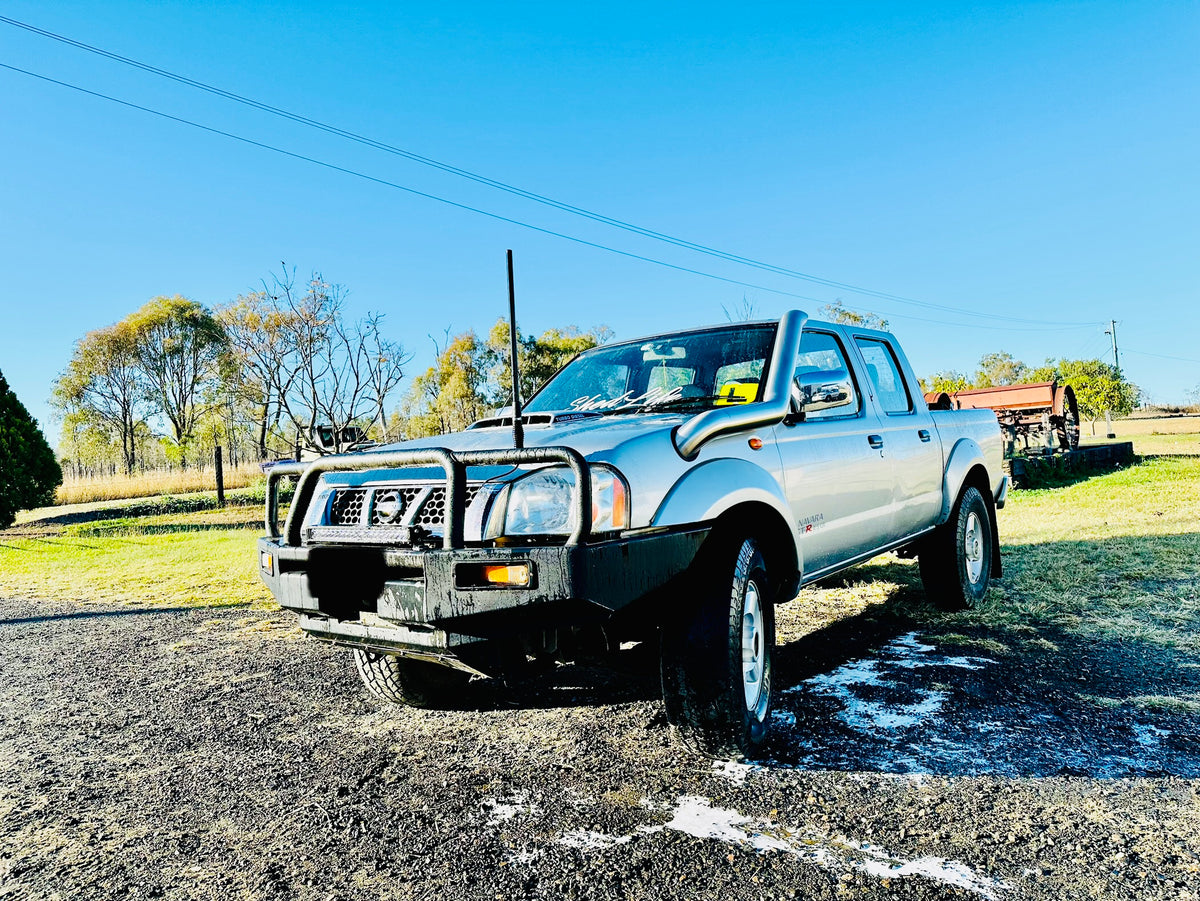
[[199, 754]]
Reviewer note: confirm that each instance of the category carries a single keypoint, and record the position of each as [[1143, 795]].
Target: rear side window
[[884, 373]]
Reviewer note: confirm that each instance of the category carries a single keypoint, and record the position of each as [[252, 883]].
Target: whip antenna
[[518, 428]]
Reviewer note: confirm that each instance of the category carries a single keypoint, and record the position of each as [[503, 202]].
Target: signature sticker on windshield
[[628, 399]]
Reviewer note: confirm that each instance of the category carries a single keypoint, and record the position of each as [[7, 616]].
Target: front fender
[[714, 487], [965, 456]]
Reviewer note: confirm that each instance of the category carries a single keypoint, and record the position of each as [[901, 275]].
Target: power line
[[526, 194], [1142, 353], [491, 215]]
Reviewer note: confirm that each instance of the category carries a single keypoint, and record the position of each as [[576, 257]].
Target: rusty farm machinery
[[1039, 414]]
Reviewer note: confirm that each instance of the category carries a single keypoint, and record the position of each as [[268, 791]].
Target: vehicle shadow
[[901, 688], [895, 691], [625, 677], [97, 614]]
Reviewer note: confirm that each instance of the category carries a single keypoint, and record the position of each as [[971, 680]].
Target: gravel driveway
[[197, 754]]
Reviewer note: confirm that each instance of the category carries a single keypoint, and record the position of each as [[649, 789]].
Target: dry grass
[[153, 483], [1151, 435]]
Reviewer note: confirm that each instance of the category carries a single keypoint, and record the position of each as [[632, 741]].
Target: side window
[[884, 373], [823, 378]]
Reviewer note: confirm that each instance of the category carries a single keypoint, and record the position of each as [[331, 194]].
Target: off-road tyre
[[956, 559], [713, 654], [415, 683]]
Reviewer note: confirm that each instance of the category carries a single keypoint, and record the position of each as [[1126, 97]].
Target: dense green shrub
[[28, 471]]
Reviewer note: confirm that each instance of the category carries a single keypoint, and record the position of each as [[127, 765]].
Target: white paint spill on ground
[[502, 811], [696, 816], [948, 872], [587, 840], [525, 858], [846, 684], [910, 709], [894, 718], [733, 771], [1149, 737]]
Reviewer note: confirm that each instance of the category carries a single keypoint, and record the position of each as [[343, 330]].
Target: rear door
[[910, 439], [838, 484]]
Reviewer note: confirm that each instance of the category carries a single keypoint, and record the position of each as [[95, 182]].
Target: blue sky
[[1032, 160]]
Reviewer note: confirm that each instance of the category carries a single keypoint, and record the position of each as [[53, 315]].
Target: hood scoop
[[534, 419]]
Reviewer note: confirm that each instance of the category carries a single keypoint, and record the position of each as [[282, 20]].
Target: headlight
[[542, 503]]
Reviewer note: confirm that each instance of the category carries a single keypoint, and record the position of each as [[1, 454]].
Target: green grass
[[204, 559], [1114, 557]]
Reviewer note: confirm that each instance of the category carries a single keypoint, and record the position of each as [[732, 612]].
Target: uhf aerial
[[518, 429]]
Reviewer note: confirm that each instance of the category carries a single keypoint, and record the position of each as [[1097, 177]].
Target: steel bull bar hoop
[[455, 466]]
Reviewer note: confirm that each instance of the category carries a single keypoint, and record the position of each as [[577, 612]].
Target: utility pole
[[1112, 330]]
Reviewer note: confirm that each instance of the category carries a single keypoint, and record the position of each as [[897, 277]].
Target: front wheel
[[956, 560], [415, 683], [717, 653]]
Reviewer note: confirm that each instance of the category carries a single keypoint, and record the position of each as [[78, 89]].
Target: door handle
[[923, 434], [876, 441]]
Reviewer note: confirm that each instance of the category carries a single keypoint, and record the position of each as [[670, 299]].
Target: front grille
[[347, 507], [419, 505], [432, 514]]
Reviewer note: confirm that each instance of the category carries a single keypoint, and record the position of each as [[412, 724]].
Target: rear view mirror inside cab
[[661, 351]]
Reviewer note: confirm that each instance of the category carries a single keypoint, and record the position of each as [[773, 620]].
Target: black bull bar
[[453, 463]]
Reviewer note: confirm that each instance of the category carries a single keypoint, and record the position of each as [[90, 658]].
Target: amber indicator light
[[755, 443], [506, 575]]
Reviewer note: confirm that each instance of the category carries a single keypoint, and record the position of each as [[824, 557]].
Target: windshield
[[694, 370]]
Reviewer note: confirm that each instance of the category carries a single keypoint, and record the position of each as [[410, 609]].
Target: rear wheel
[[401, 680], [956, 560], [717, 655]]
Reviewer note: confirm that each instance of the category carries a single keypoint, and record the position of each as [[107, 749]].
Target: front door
[[838, 481]]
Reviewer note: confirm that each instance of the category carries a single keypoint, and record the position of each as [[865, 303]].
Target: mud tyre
[[718, 650], [956, 560], [414, 683]]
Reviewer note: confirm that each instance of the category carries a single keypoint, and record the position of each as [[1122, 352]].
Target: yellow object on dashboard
[[737, 393]]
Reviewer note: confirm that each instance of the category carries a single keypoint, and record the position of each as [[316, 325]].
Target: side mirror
[[819, 390]]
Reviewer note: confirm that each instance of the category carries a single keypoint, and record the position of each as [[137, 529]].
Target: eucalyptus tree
[[305, 364], [180, 347], [104, 388]]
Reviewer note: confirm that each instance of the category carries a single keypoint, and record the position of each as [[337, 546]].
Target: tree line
[[259, 375]]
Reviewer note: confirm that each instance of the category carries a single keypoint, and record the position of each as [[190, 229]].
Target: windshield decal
[[626, 400]]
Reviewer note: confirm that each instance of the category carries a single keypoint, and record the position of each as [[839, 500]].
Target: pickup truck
[[674, 489]]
